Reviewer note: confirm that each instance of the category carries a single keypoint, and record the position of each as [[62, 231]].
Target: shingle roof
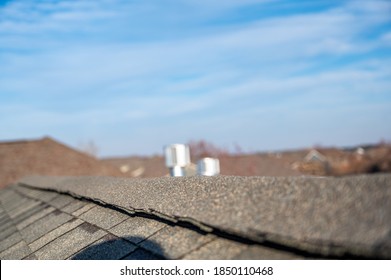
[[196, 218], [239, 165], [47, 157]]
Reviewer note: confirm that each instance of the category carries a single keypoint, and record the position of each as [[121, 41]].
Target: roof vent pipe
[[208, 167], [177, 158]]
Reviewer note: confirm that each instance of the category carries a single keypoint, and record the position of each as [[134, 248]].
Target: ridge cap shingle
[[328, 216]]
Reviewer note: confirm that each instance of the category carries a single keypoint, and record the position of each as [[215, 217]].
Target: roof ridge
[[20, 141], [309, 247], [189, 223]]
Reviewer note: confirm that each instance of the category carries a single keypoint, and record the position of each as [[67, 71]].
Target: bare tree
[[89, 148], [202, 148]]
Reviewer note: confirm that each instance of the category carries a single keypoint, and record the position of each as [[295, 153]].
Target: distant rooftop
[[46, 157]]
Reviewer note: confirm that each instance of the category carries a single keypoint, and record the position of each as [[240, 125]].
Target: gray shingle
[[55, 233], [35, 214], [16, 252], [5, 194], [44, 225], [103, 217], [264, 253], [70, 243], [60, 201], [351, 213], [7, 229], [24, 217], [31, 257], [7, 198], [23, 205], [107, 248], [217, 249], [29, 211], [36, 194], [137, 229], [257, 208], [83, 209], [173, 242], [10, 240], [74, 206], [221, 249], [2, 213]]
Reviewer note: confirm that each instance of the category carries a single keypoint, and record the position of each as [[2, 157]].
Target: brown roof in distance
[[314, 155], [47, 157], [256, 165], [136, 166], [240, 165]]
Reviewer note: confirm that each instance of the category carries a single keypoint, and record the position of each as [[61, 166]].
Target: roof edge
[[88, 188]]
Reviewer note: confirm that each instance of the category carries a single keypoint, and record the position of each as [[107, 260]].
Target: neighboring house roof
[[151, 166], [315, 156], [255, 165], [47, 157], [240, 165], [196, 218]]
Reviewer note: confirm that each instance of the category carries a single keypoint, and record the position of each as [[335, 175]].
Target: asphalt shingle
[[7, 229], [44, 225], [174, 242], [137, 229], [83, 209], [60, 201], [31, 257], [220, 249], [23, 205], [55, 233], [34, 215], [36, 194], [348, 215], [18, 251], [260, 252], [10, 240], [107, 248], [197, 218], [103, 217], [74, 206], [70, 243]]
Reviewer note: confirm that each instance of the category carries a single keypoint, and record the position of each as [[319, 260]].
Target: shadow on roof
[[119, 248]]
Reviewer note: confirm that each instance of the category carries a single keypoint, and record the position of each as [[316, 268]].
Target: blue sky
[[132, 76]]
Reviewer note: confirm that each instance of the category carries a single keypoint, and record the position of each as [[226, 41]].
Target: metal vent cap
[[177, 157], [208, 167]]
